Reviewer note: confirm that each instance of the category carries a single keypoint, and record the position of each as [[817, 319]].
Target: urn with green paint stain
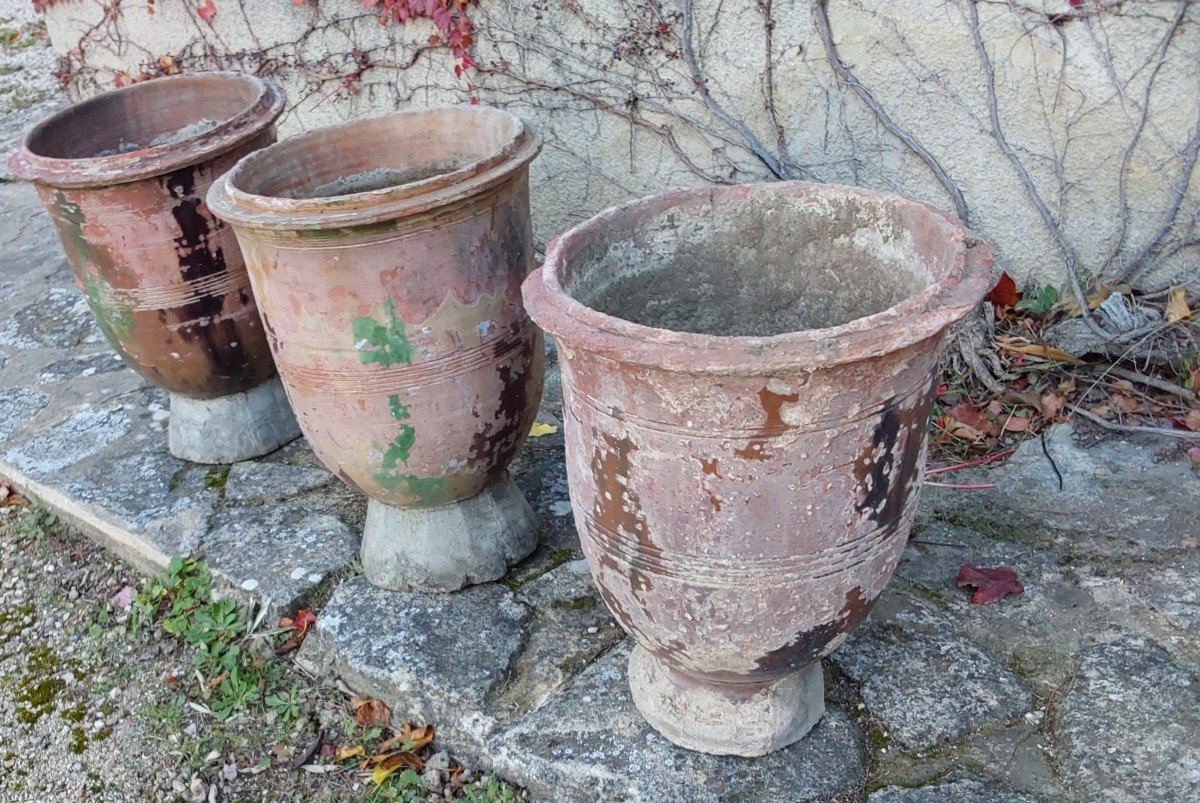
[[387, 257], [123, 176]]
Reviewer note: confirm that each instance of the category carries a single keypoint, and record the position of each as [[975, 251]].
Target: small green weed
[[36, 524], [229, 677], [488, 790], [1038, 300]]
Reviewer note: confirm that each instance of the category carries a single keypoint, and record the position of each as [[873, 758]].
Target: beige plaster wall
[[1097, 107]]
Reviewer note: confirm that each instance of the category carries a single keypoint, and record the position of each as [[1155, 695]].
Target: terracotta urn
[[124, 175], [387, 257], [747, 376]]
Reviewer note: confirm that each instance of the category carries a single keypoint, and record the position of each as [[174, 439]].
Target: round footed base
[[232, 428], [445, 548], [726, 719]]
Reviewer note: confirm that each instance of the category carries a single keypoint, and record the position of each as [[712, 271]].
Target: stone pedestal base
[[232, 428], [726, 719], [445, 548]]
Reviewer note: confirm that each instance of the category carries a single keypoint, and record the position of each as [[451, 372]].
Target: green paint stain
[[115, 320], [426, 489], [398, 450], [382, 343]]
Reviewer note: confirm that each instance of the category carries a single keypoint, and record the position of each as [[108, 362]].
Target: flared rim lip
[[277, 213], [916, 318], [99, 171]]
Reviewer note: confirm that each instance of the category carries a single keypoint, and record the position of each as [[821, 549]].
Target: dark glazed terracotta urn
[[387, 257], [747, 376], [124, 175]]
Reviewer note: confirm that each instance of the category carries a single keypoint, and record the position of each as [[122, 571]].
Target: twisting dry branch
[[847, 77]]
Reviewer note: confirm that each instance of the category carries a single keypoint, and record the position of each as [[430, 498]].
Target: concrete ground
[[1086, 687]]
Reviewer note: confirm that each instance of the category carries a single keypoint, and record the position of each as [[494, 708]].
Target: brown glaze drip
[[809, 645], [494, 444], [772, 404], [885, 482], [199, 259]]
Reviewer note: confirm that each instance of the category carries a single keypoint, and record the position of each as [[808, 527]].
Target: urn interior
[[151, 115], [773, 263], [386, 156]]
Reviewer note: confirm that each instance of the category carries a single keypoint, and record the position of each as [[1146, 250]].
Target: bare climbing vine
[[661, 68]]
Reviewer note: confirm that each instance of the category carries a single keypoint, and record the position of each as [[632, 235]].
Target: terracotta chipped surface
[[394, 312], [743, 501], [163, 276]]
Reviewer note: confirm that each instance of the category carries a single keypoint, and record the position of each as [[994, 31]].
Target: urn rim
[[925, 314], [241, 198], [41, 158]]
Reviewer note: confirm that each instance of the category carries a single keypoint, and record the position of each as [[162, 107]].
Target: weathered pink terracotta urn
[[747, 376], [124, 175], [387, 257]]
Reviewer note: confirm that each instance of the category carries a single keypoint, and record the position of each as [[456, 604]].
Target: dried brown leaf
[[348, 752], [1177, 306], [370, 712], [1042, 351]]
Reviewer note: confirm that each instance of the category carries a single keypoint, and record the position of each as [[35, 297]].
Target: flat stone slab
[[1128, 726], [965, 790], [589, 743], [924, 679], [443, 655], [1117, 498]]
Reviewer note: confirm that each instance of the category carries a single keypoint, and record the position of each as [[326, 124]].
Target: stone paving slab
[[922, 676], [589, 743]]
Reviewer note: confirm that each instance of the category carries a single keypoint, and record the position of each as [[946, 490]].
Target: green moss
[[75, 713], [585, 603], [78, 741], [216, 478], [35, 700], [536, 566], [14, 620]]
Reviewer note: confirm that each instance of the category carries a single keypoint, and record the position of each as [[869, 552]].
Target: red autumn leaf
[[1016, 424], [207, 10], [991, 585], [1004, 294], [976, 419], [304, 618]]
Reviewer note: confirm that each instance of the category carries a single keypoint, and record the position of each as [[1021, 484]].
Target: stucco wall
[[1087, 160]]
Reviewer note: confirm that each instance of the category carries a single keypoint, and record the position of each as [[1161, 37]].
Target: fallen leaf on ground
[[9, 497], [1004, 294], [123, 599], [416, 735], [1192, 420], [1016, 424], [1177, 306], [957, 429], [369, 712], [1094, 299], [1044, 352], [974, 418], [299, 627], [991, 584], [539, 429], [1052, 404], [348, 752]]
